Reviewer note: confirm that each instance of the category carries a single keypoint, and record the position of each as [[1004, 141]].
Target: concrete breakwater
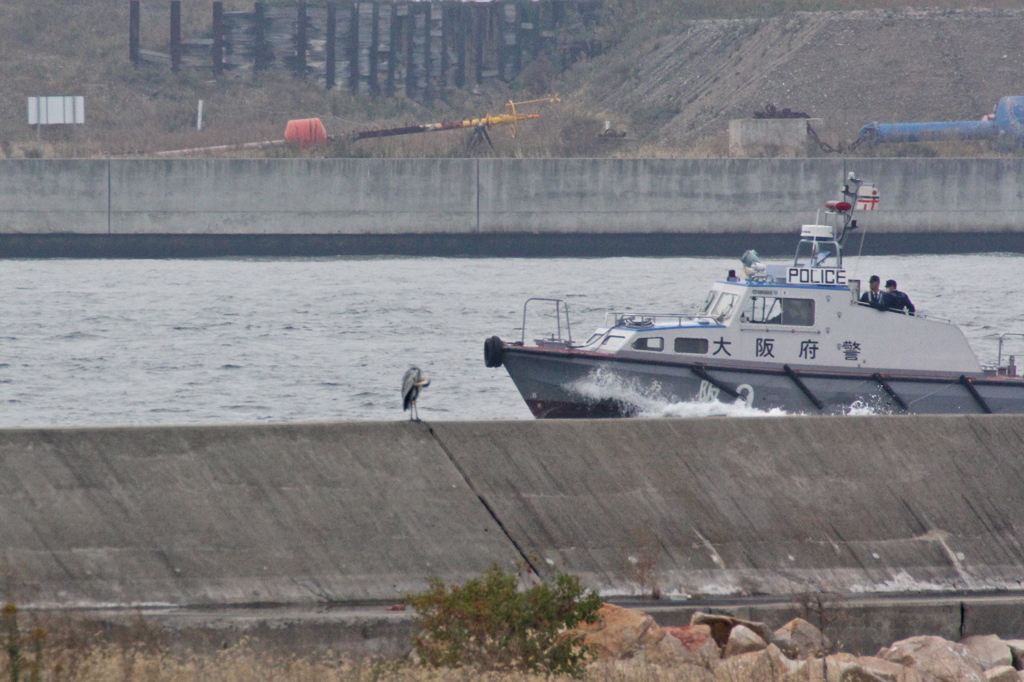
[[501, 207], [356, 512]]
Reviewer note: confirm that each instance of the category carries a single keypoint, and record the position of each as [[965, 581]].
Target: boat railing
[[639, 320], [561, 315], [933, 318], [923, 316], [1006, 341]]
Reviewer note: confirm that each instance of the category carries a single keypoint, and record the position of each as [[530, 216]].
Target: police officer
[[895, 300], [873, 297]]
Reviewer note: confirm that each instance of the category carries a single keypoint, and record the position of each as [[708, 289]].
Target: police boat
[[790, 336]]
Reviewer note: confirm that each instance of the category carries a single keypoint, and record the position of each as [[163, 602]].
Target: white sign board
[[51, 110], [867, 197], [826, 276]]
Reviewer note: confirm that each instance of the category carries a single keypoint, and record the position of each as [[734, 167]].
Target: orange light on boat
[[838, 205]]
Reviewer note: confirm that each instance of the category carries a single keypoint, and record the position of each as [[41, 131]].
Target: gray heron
[[414, 380]]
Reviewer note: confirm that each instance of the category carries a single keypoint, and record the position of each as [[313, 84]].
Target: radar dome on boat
[[817, 231]]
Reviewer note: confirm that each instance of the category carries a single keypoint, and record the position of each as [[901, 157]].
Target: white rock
[[620, 632], [801, 638], [1002, 673], [692, 644], [721, 624], [990, 650], [1016, 647], [743, 640], [937, 659], [766, 664], [845, 667]]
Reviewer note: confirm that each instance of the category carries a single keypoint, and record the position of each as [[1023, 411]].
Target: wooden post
[[364, 47], [260, 46], [394, 49], [301, 41], [332, 35], [461, 31], [353, 47], [517, 52], [410, 44], [546, 31], [480, 13], [400, 45], [502, 38], [447, 44], [374, 49], [528, 20], [133, 32], [558, 13], [428, 63], [510, 42], [175, 35], [217, 51]]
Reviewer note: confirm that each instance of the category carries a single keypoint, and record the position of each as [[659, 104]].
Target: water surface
[[114, 342]]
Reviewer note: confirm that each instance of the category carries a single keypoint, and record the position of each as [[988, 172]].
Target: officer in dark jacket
[[895, 300], [873, 297]]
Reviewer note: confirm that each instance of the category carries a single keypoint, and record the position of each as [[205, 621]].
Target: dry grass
[[52, 646], [111, 663]]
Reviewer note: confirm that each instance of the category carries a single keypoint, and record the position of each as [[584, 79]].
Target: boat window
[[613, 343], [649, 343], [770, 310], [798, 311], [724, 306], [763, 310], [699, 346], [707, 302]]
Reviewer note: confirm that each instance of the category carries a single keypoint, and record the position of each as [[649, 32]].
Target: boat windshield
[[812, 253], [772, 310], [724, 306], [707, 302]]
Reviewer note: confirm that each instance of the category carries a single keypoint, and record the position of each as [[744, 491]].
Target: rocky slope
[[674, 85], [848, 68], [723, 648]]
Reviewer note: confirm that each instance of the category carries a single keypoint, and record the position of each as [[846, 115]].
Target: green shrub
[[489, 624]]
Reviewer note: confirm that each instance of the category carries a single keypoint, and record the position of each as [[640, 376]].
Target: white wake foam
[[648, 401], [714, 409], [859, 408]]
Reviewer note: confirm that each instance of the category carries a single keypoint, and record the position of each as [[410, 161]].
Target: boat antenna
[[851, 191], [856, 196], [860, 250]]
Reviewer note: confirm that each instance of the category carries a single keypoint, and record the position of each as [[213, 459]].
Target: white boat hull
[[566, 383]]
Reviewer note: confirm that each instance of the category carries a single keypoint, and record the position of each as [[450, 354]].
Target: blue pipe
[[1006, 128]]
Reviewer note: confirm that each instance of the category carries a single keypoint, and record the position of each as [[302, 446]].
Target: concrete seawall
[[321, 513], [491, 206]]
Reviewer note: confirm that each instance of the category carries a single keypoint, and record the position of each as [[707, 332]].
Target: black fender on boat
[[494, 352]]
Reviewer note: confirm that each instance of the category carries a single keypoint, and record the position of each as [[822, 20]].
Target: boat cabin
[[803, 314]]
